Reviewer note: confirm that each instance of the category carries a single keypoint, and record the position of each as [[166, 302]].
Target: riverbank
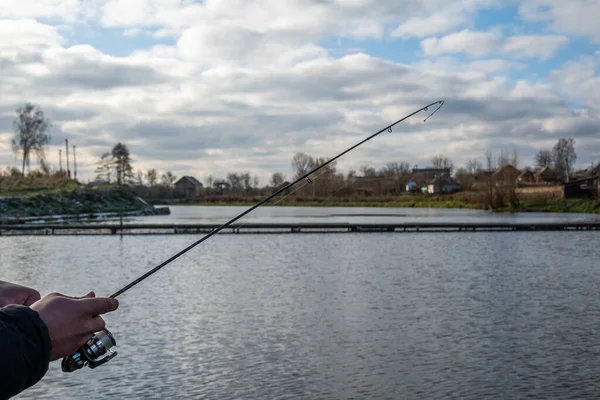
[[74, 204], [554, 206]]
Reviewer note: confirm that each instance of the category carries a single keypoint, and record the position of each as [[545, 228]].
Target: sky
[[210, 87]]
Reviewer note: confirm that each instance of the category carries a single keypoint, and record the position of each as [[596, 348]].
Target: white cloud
[[59, 9], [466, 41], [573, 17], [476, 43], [247, 84], [19, 36], [538, 46], [430, 25]]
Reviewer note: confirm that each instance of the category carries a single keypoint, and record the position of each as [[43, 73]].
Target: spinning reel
[[90, 352]]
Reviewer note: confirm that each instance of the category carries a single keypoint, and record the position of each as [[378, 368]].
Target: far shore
[[555, 206]]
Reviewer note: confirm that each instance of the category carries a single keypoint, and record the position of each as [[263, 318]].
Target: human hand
[[11, 293], [72, 320]]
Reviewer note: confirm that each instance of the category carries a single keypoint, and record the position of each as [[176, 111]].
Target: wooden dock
[[279, 228]]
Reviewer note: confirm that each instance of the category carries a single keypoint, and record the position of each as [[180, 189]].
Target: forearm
[[25, 349]]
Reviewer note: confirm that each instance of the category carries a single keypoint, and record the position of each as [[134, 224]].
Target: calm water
[[404, 316]]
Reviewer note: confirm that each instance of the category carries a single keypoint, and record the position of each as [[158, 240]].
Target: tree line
[[31, 138]]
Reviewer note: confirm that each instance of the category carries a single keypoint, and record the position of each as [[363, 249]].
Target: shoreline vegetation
[[37, 198], [418, 201]]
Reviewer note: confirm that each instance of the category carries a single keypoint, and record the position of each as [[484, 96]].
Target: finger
[[95, 324], [33, 297], [99, 305]]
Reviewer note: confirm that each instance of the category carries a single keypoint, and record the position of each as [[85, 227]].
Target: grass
[[411, 203], [557, 206]]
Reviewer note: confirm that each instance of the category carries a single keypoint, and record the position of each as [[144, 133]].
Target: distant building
[[547, 176], [443, 184], [506, 176], [526, 177], [583, 188], [189, 187]]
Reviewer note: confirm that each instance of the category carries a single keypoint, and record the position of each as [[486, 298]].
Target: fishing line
[[260, 203]]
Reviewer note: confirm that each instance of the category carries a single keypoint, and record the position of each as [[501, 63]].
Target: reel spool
[[90, 352]]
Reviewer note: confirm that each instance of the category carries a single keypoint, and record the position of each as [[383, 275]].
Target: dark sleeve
[[25, 349]]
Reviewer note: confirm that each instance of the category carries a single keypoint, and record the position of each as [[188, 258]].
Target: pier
[[281, 228]]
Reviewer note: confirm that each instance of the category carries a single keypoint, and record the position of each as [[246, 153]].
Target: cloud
[[430, 25], [56, 9], [477, 44], [573, 17], [245, 85], [538, 46]]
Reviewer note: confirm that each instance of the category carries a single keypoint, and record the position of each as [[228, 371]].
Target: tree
[[104, 170], [396, 169], [442, 162], [151, 176], [30, 133], [122, 162], [140, 178], [302, 163], [473, 166], [277, 179], [168, 178], [564, 156], [235, 181], [544, 158], [367, 171]]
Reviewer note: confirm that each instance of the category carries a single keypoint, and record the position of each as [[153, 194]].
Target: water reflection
[[485, 315]]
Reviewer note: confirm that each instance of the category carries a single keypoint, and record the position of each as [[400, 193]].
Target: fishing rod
[[101, 342]]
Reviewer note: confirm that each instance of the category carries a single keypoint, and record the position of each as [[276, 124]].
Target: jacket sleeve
[[25, 349]]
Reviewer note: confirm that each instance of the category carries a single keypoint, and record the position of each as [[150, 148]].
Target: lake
[[383, 315]]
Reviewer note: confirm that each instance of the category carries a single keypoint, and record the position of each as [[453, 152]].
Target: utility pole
[[74, 162], [67, 146], [60, 160]]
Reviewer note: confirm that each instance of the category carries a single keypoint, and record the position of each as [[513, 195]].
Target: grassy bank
[[556, 206], [444, 202], [413, 203]]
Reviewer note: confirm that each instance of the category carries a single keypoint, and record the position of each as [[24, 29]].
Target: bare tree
[[277, 179], [140, 178], [473, 166], [564, 156], [30, 133], [515, 158], [151, 176], [396, 169], [104, 170], [168, 178], [442, 162], [489, 158], [367, 171], [503, 159], [544, 158], [302, 164]]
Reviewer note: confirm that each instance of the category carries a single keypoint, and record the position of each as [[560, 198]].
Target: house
[[547, 176], [443, 184], [506, 176], [583, 188], [526, 177], [189, 187]]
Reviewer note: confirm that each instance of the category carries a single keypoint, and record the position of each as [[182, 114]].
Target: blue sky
[[222, 76]]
